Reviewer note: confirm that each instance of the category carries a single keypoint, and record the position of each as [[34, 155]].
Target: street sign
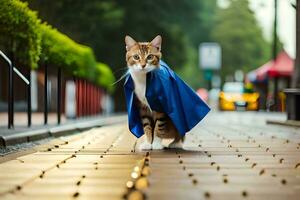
[[210, 55]]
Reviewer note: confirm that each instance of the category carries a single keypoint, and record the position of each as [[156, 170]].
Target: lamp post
[[274, 54]]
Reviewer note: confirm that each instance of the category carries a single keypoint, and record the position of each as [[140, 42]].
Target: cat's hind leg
[[178, 142], [176, 145]]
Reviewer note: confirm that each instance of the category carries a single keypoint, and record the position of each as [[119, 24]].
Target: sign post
[[209, 59]]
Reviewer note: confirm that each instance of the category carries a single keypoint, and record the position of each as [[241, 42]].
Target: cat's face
[[142, 57]]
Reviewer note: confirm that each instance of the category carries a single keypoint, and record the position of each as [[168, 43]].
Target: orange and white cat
[[141, 58]]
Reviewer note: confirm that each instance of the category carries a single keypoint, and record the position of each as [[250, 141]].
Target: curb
[[291, 123], [61, 130]]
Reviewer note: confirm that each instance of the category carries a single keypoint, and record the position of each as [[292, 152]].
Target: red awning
[[260, 74], [283, 66]]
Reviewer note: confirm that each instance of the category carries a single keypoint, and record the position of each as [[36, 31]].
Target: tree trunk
[[296, 75]]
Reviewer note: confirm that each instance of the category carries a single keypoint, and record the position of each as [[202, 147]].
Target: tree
[[241, 39], [103, 25]]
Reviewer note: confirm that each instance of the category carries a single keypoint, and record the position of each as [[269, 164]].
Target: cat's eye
[[150, 57], [136, 57]]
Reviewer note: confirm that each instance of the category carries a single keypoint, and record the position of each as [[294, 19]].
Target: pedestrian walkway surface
[[228, 156]]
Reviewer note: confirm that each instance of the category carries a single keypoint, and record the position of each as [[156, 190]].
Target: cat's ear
[[129, 41], [156, 42]]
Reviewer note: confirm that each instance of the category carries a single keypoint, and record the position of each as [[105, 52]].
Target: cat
[[141, 58]]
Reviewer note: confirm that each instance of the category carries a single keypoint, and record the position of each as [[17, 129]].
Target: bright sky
[[286, 24]]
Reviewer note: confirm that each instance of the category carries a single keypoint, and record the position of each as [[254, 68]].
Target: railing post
[[10, 97], [58, 95], [46, 95], [29, 99]]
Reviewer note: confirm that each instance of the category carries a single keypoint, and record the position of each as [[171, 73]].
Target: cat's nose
[[143, 65]]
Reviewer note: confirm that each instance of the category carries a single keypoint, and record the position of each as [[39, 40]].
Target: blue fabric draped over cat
[[166, 92]]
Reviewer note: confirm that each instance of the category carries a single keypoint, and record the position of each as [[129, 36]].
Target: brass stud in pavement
[[261, 172], [76, 194], [194, 181], [142, 183], [267, 149], [135, 195], [207, 194], [134, 175], [129, 184], [190, 174], [244, 193], [146, 171], [225, 180]]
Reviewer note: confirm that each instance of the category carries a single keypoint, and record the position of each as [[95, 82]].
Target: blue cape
[[166, 92]]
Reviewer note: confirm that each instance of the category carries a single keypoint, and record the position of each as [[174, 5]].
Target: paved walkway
[[229, 156]]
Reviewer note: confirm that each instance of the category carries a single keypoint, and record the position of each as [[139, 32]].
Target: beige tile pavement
[[228, 156]]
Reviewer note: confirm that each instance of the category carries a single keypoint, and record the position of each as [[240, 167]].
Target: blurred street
[[230, 155]]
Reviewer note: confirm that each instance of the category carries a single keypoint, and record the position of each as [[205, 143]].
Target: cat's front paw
[[157, 145], [145, 146]]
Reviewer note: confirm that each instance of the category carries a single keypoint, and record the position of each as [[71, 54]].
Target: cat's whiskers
[[123, 76]]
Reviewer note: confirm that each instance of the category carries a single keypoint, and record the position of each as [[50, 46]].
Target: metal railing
[[10, 101], [11, 70]]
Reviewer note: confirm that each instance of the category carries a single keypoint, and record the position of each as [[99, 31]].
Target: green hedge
[[19, 31], [59, 50], [104, 76], [22, 33]]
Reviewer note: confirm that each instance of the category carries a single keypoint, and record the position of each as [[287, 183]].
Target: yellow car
[[235, 97]]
